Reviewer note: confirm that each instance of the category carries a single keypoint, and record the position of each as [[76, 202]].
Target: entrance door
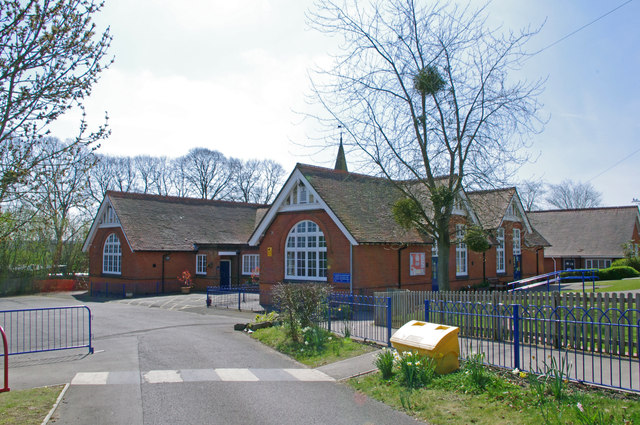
[[569, 264], [225, 274], [517, 267], [434, 275]]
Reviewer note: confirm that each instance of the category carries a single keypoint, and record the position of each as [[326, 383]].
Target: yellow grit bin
[[439, 342]]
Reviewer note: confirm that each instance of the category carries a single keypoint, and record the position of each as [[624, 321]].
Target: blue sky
[[232, 76]]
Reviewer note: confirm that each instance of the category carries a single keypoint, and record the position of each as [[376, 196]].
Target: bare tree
[[62, 197], [100, 178], [531, 193], [570, 195], [208, 173], [423, 91], [125, 174], [256, 181], [148, 171], [50, 57]]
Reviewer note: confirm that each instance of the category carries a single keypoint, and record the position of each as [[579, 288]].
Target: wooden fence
[[593, 322]]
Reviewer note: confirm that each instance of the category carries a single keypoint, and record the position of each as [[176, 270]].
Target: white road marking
[[201, 375], [90, 378], [309, 375], [239, 375], [162, 376]]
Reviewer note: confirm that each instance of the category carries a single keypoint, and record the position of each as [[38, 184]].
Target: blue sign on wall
[[341, 278]]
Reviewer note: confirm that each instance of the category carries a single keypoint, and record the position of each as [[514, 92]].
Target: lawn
[[27, 407], [618, 285], [504, 398], [333, 349]]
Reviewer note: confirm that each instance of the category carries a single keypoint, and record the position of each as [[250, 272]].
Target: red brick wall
[[375, 267], [142, 270]]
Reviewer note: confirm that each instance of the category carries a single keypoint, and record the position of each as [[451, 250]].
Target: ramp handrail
[[554, 277]]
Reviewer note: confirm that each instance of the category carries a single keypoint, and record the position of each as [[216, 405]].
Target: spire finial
[[341, 160]]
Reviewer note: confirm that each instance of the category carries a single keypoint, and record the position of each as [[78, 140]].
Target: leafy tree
[[50, 57], [424, 91], [570, 195]]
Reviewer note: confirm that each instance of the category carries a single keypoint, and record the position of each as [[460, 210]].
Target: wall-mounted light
[[167, 257]]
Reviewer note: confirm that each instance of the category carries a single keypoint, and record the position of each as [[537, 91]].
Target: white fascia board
[[297, 176], [516, 199], [469, 208], [95, 225]]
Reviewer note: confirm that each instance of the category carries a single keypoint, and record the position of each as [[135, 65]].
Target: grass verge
[[27, 407], [334, 349], [505, 399], [618, 285]]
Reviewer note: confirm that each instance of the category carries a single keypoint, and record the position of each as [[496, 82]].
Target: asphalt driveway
[[172, 361]]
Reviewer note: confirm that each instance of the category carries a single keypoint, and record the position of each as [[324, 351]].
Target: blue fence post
[[239, 295], [516, 335], [426, 310], [106, 291], [389, 321], [90, 342], [124, 291], [91, 288]]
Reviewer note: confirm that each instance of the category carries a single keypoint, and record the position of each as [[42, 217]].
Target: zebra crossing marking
[[200, 375]]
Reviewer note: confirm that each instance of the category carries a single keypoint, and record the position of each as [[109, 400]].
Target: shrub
[[300, 305], [617, 273]]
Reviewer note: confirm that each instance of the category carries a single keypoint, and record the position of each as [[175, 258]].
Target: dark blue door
[[434, 275], [517, 267], [225, 274]]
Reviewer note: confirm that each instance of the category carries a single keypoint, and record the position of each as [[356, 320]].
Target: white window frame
[[109, 218], [461, 251], [201, 264], [112, 255], [517, 242], [300, 195], [305, 255], [500, 257], [250, 263], [596, 263]]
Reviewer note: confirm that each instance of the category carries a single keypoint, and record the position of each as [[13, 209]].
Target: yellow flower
[[523, 375]]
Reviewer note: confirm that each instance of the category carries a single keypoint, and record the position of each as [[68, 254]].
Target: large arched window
[[306, 252], [112, 255]]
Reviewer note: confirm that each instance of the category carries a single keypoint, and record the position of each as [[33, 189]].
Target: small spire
[[341, 160]]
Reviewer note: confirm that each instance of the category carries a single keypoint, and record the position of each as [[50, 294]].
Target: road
[[172, 361]]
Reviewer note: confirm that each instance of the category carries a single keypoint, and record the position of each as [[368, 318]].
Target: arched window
[[112, 255], [306, 252]]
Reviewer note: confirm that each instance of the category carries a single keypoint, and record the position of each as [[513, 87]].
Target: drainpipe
[[400, 265], [165, 256], [238, 265], [351, 268]]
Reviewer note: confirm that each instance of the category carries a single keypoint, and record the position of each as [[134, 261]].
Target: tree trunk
[[444, 244]]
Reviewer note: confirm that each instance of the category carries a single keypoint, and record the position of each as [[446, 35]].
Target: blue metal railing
[[361, 316], [245, 297], [597, 346], [47, 329]]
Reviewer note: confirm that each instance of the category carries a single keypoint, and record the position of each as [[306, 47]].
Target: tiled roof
[[593, 232], [164, 223], [491, 205], [362, 203]]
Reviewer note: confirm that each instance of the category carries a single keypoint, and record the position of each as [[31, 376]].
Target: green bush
[[627, 262], [617, 273], [300, 305]]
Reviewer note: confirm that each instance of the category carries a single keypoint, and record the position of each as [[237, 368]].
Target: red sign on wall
[[416, 263]]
